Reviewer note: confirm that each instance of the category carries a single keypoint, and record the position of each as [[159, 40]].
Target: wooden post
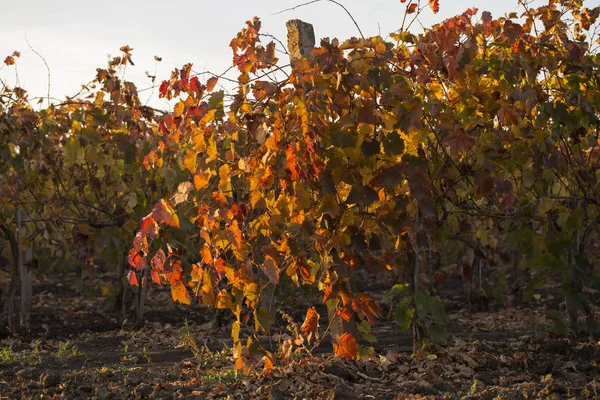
[[25, 275], [301, 42], [301, 39]]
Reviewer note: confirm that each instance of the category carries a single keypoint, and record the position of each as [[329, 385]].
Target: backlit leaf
[[178, 109], [149, 227], [435, 5], [132, 278], [180, 293], [347, 347], [164, 213], [310, 327]]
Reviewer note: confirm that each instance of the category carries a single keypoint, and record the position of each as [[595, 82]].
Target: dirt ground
[[79, 349]]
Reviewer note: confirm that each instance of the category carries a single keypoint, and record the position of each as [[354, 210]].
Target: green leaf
[[393, 144], [389, 177], [365, 330], [396, 290], [403, 315], [264, 319], [370, 148], [430, 305], [363, 195], [342, 139]]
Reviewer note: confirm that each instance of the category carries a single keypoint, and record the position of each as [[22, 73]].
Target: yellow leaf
[[189, 160], [224, 300], [211, 149], [180, 293], [251, 291], [178, 109], [201, 180]]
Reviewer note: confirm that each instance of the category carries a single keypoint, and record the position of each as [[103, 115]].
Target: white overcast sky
[[76, 36]]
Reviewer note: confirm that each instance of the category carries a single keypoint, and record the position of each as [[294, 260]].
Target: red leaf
[[132, 278], [411, 8], [163, 90], [196, 87]]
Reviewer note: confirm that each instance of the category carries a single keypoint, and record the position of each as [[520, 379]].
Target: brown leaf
[[211, 83], [310, 327]]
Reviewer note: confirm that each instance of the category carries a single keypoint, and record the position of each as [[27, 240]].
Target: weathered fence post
[[301, 42], [301, 39], [25, 275]]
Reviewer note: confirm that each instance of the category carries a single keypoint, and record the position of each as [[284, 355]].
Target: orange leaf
[[132, 278], [347, 347], [149, 227], [180, 293], [310, 327], [345, 313], [158, 260], [164, 213], [175, 274], [236, 234], [268, 365], [435, 5], [411, 8], [136, 261], [140, 243], [221, 266], [206, 256], [240, 364], [155, 276], [201, 180], [366, 306]]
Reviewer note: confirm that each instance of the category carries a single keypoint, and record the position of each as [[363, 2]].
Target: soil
[[79, 348]]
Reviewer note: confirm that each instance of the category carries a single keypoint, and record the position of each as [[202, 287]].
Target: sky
[[77, 36]]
